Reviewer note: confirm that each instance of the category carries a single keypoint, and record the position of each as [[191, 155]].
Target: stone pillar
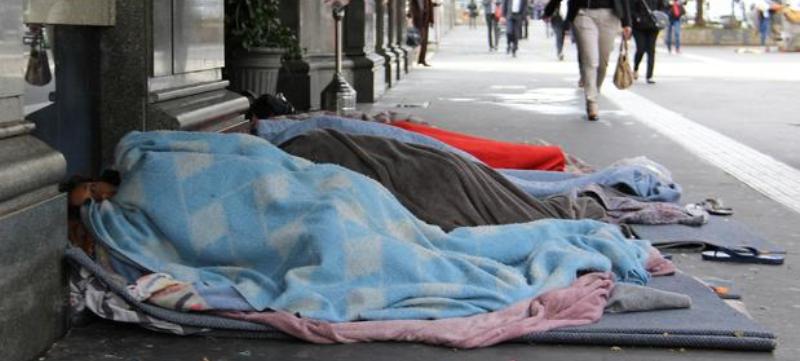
[[359, 46], [400, 26], [32, 213], [303, 80], [382, 41], [391, 38], [161, 68]]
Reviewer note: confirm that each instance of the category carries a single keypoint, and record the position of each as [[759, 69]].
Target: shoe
[[742, 255], [560, 57], [635, 75], [716, 207], [424, 63], [592, 111], [650, 81]]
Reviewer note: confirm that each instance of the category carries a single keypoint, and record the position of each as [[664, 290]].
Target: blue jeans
[[763, 29], [674, 25]]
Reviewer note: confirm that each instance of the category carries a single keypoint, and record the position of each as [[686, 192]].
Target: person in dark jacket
[[595, 23], [560, 27], [422, 17], [676, 11], [515, 12], [645, 33]]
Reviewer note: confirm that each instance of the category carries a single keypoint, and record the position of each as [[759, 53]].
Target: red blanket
[[495, 153]]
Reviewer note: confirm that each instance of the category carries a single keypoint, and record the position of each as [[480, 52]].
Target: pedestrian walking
[[676, 11], [645, 33], [422, 18], [766, 11], [490, 8], [560, 27], [595, 23], [514, 11], [472, 8]]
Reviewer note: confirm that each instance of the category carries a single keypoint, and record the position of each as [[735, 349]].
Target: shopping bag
[[623, 75]]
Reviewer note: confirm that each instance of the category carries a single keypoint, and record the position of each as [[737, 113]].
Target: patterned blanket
[[224, 210]]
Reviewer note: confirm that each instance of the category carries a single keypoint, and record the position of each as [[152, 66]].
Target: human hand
[[626, 32]]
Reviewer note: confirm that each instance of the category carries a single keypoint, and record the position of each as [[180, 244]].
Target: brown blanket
[[440, 188]]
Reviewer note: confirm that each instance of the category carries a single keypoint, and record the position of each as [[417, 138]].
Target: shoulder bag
[[659, 19]]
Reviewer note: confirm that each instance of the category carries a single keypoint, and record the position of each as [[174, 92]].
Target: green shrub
[[256, 23]]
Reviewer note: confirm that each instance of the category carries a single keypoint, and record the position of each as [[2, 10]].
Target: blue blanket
[[234, 211], [635, 180], [631, 179]]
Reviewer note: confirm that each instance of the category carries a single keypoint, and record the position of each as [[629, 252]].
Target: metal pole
[[338, 96], [337, 33]]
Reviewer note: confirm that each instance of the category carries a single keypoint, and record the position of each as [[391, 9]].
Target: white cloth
[[516, 6], [563, 8]]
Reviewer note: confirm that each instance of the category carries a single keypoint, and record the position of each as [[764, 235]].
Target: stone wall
[[32, 213]]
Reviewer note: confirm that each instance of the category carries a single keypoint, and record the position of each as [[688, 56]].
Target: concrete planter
[[718, 36], [255, 70]]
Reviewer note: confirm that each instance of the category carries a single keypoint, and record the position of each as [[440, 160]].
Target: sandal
[[715, 206], [743, 255]]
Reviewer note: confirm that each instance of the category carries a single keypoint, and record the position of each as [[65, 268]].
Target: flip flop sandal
[[743, 255], [715, 206]]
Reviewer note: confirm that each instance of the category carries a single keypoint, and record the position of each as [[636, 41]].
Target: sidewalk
[[524, 99], [535, 97]]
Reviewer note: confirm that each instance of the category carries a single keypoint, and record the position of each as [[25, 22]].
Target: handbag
[[657, 19], [38, 71], [413, 37], [623, 75]]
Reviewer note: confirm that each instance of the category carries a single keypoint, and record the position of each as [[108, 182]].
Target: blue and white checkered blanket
[[233, 210]]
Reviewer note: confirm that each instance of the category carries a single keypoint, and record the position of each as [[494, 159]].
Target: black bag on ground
[[413, 38]]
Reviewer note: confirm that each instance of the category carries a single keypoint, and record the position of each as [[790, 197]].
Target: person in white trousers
[[595, 23]]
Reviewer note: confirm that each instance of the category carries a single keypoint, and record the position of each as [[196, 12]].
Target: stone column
[[359, 46], [33, 292], [303, 80], [161, 68], [382, 40], [400, 25], [391, 41]]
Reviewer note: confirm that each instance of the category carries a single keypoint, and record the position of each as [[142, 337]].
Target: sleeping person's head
[[79, 191]]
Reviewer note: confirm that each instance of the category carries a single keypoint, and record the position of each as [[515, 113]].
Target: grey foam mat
[[720, 231], [710, 323]]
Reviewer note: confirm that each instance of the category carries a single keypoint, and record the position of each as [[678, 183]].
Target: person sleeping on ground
[[253, 228], [439, 187]]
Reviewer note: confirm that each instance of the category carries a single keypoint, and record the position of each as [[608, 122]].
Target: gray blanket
[[440, 188]]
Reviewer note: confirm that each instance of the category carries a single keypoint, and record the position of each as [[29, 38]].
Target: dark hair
[[269, 105], [108, 176]]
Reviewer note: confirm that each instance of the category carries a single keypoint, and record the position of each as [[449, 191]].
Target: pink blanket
[[580, 304]]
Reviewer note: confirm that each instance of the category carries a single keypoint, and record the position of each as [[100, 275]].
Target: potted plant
[[256, 45]]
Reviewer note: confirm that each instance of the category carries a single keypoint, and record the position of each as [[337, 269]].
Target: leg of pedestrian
[[490, 29], [609, 27], [587, 35], [639, 36], [651, 38]]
